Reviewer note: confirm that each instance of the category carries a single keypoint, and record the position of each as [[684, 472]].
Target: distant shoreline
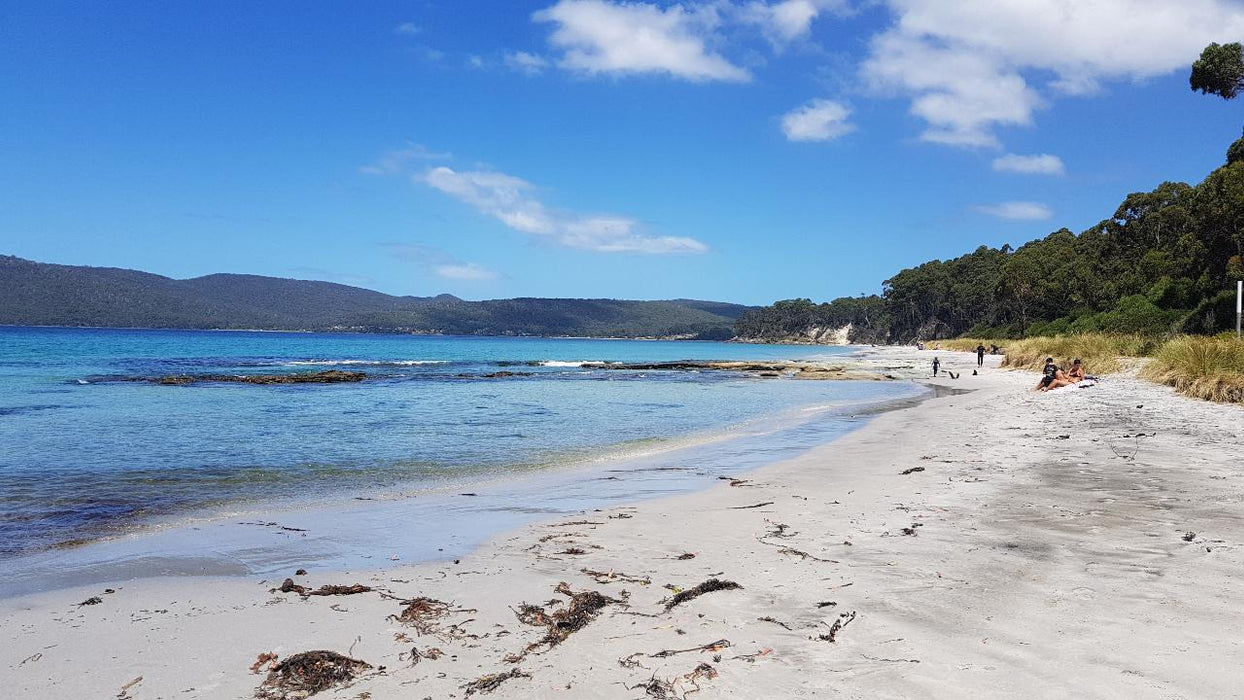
[[386, 333]]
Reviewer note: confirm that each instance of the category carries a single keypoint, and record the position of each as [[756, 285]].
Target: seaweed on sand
[[489, 683], [708, 586], [611, 576], [288, 586], [334, 589], [303, 675], [584, 607], [839, 624], [662, 689], [422, 614]]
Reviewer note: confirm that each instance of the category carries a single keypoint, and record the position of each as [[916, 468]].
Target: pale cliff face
[[828, 335]]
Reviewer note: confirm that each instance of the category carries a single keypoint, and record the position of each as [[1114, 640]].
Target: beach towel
[[1083, 384]]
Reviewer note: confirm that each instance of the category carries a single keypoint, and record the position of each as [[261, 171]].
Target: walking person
[[980, 355], [936, 366]]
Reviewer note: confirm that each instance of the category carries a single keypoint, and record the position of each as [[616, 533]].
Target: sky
[[733, 150]]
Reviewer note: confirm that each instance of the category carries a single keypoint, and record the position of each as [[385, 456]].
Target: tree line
[[1163, 263]]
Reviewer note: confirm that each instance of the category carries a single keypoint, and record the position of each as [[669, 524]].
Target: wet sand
[[992, 544]]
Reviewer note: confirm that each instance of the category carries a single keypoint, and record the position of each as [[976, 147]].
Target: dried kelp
[[487, 684], [422, 614], [288, 586], [662, 689], [303, 675], [711, 646], [584, 607], [611, 576], [415, 655], [708, 586], [334, 589], [262, 660], [839, 624]]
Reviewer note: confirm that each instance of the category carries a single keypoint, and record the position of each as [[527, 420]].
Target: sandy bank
[[1082, 544]]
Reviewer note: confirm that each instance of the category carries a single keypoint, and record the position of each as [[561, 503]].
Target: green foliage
[[1219, 70], [795, 319], [1235, 152], [1161, 264], [1134, 314], [1212, 315]]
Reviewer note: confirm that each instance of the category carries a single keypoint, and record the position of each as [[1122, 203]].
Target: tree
[[1219, 70], [1236, 151]]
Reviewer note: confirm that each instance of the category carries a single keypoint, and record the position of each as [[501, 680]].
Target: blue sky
[[737, 150]]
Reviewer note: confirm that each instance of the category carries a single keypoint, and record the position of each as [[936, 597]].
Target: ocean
[[90, 448]]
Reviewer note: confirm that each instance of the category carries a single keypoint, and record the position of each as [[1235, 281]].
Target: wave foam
[[572, 363], [376, 363]]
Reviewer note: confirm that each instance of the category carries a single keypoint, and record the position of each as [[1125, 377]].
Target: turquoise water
[[87, 450]]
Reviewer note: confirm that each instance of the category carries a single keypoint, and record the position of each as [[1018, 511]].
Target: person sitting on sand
[[1076, 373], [1049, 374]]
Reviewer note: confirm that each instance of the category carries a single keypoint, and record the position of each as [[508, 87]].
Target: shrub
[[1204, 367], [1212, 315]]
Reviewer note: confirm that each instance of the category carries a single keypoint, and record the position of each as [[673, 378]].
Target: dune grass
[[1100, 352], [1203, 367], [1210, 368]]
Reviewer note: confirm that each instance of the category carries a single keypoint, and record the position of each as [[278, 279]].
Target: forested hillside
[[1165, 262], [40, 294]]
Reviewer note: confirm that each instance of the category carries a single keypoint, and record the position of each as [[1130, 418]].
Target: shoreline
[[249, 537], [1037, 565]]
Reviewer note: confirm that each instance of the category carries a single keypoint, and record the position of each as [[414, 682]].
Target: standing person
[[936, 365], [980, 355]]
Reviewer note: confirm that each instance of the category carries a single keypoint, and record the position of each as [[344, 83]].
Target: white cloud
[[1017, 211], [786, 21], [511, 200], [526, 63], [407, 28], [394, 162], [440, 263], [818, 120], [620, 38], [1043, 164], [473, 272], [970, 66]]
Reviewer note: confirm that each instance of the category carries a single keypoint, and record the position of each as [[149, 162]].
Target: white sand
[[1049, 560]]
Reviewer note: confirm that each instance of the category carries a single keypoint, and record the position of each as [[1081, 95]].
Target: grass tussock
[[1101, 353], [1210, 368]]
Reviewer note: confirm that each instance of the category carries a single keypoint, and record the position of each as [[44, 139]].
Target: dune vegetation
[[1204, 367], [1100, 352]]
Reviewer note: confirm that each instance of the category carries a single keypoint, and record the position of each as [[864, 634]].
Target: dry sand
[[1079, 544]]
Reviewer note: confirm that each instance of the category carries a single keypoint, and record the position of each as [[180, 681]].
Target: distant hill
[[42, 294]]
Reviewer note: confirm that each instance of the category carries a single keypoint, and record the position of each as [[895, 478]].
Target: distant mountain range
[[42, 294]]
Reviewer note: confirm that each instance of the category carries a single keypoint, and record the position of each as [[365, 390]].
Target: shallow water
[[89, 452]]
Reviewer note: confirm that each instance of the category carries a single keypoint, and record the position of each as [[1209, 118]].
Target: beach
[[996, 543]]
